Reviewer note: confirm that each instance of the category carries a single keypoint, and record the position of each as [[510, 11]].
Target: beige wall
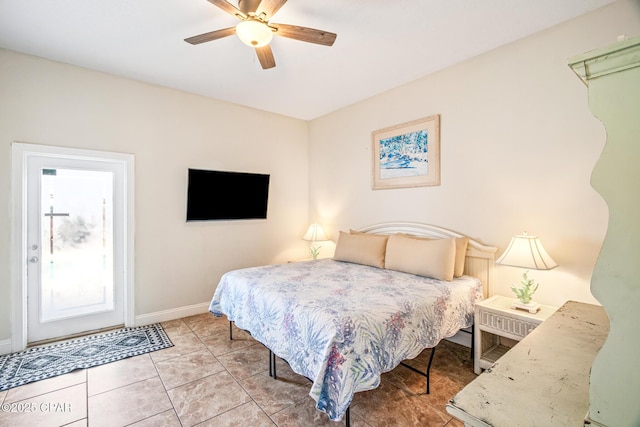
[[518, 145], [177, 264]]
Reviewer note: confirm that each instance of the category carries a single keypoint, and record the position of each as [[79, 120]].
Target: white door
[[75, 238]]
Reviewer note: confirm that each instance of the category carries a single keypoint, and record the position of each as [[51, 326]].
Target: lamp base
[[314, 251], [532, 307]]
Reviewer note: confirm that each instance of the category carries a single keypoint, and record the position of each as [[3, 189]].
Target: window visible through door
[[76, 241]]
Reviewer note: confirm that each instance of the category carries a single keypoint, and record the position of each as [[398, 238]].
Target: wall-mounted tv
[[221, 195]]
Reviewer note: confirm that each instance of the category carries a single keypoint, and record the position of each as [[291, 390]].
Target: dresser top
[[544, 379]]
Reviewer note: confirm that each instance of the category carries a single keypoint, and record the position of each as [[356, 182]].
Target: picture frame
[[407, 155]]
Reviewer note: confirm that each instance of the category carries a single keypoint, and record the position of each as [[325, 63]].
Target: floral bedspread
[[342, 325]]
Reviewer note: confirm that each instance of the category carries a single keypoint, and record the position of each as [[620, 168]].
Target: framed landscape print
[[407, 155]]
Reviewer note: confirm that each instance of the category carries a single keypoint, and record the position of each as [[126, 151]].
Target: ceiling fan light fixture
[[254, 33]]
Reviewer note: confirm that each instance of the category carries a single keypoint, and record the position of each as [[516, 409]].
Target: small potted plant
[[529, 287], [525, 294]]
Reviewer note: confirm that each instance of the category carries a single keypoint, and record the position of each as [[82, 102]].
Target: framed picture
[[407, 155]]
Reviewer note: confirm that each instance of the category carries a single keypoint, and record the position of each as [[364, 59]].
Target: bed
[[342, 322]]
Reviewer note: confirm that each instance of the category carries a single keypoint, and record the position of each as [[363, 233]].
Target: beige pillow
[[367, 249], [461, 255], [423, 257], [461, 252]]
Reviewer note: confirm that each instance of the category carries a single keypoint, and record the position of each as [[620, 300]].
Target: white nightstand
[[498, 327]]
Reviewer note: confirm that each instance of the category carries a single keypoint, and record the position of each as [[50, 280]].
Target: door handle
[[33, 259]]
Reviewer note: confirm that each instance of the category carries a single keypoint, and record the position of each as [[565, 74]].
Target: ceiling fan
[[256, 29]]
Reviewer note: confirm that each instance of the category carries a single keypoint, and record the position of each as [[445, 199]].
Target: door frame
[[20, 152]]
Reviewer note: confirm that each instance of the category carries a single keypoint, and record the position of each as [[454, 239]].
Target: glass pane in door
[[76, 242]]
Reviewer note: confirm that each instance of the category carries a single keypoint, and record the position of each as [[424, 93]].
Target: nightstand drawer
[[510, 325]]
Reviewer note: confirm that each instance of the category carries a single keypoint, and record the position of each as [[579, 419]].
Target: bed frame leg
[[272, 356], [347, 416], [473, 342], [272, 365], [273, 362], [424, 374], [433, 352]]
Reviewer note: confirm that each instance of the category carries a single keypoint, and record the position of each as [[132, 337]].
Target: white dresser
[[544, 379]]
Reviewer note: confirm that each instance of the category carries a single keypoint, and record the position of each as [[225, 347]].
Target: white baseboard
[[462, 338], [172, 314], [5, 347]]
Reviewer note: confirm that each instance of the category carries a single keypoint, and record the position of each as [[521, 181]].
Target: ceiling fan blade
[[213, 35], [305, 34], [265, 56], [228, 7], [270, 7]]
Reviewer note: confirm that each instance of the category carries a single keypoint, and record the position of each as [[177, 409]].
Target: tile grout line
[[166, 392], [199, 338], [225, 370], [241, 386], [86, 393], [43, 393]]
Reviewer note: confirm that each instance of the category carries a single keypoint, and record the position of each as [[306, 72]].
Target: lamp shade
[[254, 33], [527, 252], [315, 233]]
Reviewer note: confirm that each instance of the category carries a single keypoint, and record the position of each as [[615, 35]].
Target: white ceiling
[[380, 44]]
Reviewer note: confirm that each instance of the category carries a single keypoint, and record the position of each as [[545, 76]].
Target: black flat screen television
[[220, 195]]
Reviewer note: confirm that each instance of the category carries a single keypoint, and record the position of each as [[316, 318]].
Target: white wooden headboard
[[480, 259]]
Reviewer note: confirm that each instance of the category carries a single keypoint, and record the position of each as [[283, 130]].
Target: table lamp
[[526, 251], [314, 234]]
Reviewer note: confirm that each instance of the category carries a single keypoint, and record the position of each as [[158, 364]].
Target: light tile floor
[[207, 380]]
